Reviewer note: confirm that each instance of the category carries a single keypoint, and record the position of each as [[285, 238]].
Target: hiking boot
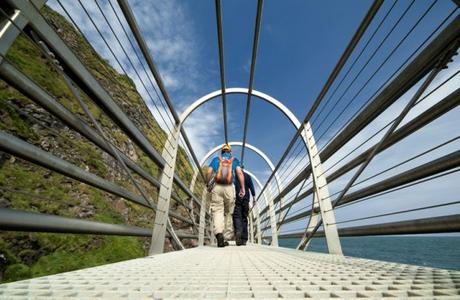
[[243, 243], [226, 243], [220, 240], [238, 240]]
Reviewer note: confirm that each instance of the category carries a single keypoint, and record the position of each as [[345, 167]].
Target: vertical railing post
[[213, 239], [251, 228], [271, 211], [321, 191], [257, 217], [164, 196], [202, 225]]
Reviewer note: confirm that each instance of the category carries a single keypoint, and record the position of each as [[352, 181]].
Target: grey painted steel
[[87, 81], [428, 116], [255, 44], [18, 147], [343, 59], [312, 221], [164, 195], [129, 16], [272, 101], [444, 224], [16, 220], [9, 32], [220, 43], [202, 225], [291, 117], [414, 71], [257, 216], [442, 107], [251, 227], [433, 167], [441, 63], [89, 84], [322, 196], [262, 96], [29, 88]]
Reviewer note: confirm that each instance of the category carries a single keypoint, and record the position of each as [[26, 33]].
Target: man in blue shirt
[[240, 213], [222, 172]]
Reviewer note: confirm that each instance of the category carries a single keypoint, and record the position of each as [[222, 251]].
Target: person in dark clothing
[[240, 213]]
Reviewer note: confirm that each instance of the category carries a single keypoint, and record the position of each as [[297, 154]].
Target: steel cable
[[389, 123], [353, 63], [110, 49], [354, 97], [397, 212], [388, 79], [115, 56]]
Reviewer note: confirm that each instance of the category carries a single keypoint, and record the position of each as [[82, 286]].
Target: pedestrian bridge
[[254, 271], [139, 161]]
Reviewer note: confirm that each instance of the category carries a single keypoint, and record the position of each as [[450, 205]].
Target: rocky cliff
[[28, 187]]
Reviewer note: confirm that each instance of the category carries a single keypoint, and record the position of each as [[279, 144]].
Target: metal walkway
[[242, 272]]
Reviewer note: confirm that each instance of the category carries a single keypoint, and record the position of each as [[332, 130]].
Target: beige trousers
[[222, 205]]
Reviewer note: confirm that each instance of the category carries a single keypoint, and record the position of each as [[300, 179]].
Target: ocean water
[[429, 251]]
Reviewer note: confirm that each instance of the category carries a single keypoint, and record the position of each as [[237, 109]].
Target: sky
[[300, 43]]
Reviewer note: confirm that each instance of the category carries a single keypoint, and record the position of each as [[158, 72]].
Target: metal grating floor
[[242, 272]]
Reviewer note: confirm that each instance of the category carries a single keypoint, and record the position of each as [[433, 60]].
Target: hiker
[[223, 171], [240, 213]]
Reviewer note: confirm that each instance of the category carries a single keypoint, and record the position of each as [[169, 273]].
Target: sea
[[429, 251]]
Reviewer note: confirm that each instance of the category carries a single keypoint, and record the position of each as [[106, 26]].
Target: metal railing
[[299, 194]]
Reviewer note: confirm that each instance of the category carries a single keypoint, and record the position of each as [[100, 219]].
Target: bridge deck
[[242, 272]]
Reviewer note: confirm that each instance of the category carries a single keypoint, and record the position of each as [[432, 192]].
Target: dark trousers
[[240, 217]]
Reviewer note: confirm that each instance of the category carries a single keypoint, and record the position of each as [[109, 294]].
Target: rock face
[[28, 187]]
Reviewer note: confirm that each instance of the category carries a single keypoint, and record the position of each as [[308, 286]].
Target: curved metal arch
[[267, 98]]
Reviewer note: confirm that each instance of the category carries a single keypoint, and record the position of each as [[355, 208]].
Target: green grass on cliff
[[27, 255]]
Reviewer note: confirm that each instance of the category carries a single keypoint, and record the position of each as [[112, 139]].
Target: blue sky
[[300, 43]]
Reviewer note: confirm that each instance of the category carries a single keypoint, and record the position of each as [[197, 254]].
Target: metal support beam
[[255, 44], [321, 195], [271, 210], [251, 227], [220, 43], [257, 216], [16, 220], [431, 168], [202, 225], [164, 195], [24, 150], [442, 224], [9, 31]]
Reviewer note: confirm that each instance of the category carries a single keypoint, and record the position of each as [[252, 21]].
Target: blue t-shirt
[[215, 164]]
